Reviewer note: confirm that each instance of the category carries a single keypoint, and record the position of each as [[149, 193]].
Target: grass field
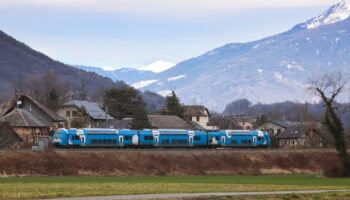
[[50, 187]]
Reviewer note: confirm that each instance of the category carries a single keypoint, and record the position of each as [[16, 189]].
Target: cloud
[[162, 6]]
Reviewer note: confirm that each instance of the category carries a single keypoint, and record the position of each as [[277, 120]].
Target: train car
[[174, 138], [94, 137], [239, 138]]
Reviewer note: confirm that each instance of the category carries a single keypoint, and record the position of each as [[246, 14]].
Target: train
[[159, 138]]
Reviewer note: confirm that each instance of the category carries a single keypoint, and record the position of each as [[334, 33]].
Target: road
[[185, 195]]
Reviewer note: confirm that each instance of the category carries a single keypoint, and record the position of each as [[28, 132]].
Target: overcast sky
[[132, 33]]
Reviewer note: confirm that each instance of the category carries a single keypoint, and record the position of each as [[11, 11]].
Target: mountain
[[137, 77], [273, 69], [128, 75], [18, 62]]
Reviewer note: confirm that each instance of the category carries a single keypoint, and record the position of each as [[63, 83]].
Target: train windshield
[[58, 134]]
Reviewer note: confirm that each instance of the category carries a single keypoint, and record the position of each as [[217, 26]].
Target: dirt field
[[166, 162]]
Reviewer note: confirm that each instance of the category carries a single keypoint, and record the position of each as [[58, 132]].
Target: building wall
[[68, 114], [292, 143], [31, 134], [246, 125], [203, 121]]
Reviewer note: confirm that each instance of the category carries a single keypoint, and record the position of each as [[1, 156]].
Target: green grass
[[49, 187]]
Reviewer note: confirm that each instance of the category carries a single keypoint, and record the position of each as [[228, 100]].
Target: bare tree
[[328, 87]]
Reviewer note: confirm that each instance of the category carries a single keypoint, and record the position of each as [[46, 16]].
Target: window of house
[[197, 118], [68, 113], [75, 114], [278, 131]]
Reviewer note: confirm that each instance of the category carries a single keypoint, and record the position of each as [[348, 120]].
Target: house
[[28, 118], [199, 116], [302, 135], [243, 121], [274, 127], [70, 111], [168, 122], [232, 122]]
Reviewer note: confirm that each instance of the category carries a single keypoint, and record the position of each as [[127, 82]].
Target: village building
[[274, 127], [168, 122], [297, 136], [199, 116], [243, 122], [97, 117], [28, 118]]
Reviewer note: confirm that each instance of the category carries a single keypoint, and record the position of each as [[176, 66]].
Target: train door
[[223, 140], [156, 140], [135, 140], [254, 141], [121, 142], [191, 141]]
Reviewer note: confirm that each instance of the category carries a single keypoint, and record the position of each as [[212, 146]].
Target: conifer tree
[[173, 106]]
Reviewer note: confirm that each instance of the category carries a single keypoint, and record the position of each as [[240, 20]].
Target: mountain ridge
[[275, 68]]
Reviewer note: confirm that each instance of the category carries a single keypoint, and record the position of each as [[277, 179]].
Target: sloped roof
[[23, 118], [295, 131], [167, 122], [196, 110], [11, 104], [117, 124], [92, 108]]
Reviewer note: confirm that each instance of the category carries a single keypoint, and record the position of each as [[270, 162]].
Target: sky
[[132, 33]]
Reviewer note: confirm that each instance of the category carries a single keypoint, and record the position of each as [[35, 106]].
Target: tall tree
[[173, 106], [328, 87], [122, 102], [140, 119], [81, 119]]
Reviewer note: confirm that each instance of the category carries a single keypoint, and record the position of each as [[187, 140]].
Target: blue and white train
[[91, 137]]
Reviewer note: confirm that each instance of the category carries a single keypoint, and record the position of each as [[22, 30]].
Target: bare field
[[165, 162]]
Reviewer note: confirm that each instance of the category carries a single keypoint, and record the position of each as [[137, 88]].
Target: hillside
[[18, 61], [272, 69]]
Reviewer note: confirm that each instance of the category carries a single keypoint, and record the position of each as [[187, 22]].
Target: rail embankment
[[166, 162]]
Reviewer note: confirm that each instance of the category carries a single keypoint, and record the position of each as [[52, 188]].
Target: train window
[[127, 137], [166, 142], [75, 137], [148, 137], [179, 141], [197, 138], [99, 141], [234, 142], [217, 138]]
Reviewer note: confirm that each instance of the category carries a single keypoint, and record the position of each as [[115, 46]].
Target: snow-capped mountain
[[269, 70], [334, 14], [157, 66], [138, 77], [128, 75]]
